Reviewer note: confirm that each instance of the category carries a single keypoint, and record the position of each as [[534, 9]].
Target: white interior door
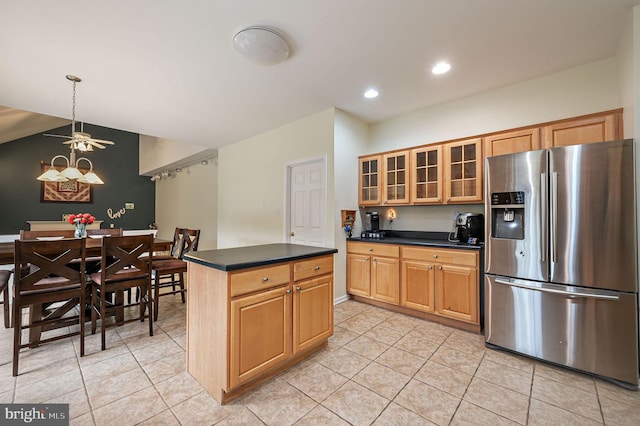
[[307, 203]]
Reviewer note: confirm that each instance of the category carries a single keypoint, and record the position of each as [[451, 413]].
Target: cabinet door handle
[[430, 267], [265, 279], [440, 267], [317, 268], [299, 288], [435, 256], [370, 249], [288, 291], [366, 258]]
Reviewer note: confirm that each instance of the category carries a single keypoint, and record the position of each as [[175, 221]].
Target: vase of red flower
[[80, 221]]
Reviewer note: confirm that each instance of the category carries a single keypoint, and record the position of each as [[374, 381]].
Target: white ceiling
[[168, 68]]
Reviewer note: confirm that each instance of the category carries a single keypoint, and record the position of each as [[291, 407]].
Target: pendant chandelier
[[80, 141]]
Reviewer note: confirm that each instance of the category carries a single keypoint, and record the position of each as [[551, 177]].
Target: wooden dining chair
[[125, 265], [48, 279], [4, 288], [170, 272]]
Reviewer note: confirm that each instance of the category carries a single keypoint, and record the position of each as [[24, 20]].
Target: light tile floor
[[380, 368]]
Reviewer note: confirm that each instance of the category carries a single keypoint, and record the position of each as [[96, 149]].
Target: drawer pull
[[288, 291], [435, 256], [299, 288], [317, 268], [265, 279], [370, 249]]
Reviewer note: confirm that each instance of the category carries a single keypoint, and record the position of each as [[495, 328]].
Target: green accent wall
[[117, 165]]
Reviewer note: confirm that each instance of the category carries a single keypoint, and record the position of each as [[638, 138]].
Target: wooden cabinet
[[426, 175], [588, 129], [395, 176], [373, 271], [463, 171], [417, 285], [246, 325], [512, 142], [260, 333], [312, 312], [441, 281], [369, 181]]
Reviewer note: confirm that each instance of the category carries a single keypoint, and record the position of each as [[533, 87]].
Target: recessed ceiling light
[[441, 68], [371, 93]]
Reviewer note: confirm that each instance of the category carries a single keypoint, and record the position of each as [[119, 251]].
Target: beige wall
[[582, 90], [189, 200], [251, 175], [158, 153], [351, 138]]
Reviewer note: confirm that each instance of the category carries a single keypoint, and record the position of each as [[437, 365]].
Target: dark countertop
[[232, 259], [419, 238]]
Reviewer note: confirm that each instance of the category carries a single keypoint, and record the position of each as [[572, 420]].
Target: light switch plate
[[129, 206]]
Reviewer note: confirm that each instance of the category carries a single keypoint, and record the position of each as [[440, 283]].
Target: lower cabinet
[[312, 312], [436, 281], [373, 271], [260, 329]]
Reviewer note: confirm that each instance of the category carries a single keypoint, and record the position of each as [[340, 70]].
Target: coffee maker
[[372, 222], [469, 228]]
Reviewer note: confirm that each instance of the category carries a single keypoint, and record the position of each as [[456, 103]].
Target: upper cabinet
[[396, 177], [463, 171], [369, 180], [512, 142], [452, 172], [588, 129], [426, 175]]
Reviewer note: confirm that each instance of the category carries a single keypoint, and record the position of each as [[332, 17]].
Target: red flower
[[84, 218]]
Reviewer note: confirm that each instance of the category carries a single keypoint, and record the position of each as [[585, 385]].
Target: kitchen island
[[254, 311]]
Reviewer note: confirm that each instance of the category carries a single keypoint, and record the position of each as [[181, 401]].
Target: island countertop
[[232, 259]]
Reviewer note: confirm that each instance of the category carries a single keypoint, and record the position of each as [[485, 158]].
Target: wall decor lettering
[[117, 214]]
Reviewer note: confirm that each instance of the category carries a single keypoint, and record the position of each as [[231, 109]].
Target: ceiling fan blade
[[57, 136], [93, 142], [101, 141]]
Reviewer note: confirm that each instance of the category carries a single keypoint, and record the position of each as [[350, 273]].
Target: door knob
[[291, 234]]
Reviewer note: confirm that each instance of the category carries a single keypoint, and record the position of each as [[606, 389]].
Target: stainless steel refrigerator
[[561, 257]]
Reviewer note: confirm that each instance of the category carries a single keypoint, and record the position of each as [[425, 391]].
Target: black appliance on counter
[[371, 222], [469, 228]]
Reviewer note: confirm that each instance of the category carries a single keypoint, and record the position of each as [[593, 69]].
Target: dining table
[[7, 250], [93, 249]]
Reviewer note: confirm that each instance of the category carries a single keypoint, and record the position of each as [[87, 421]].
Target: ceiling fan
[[81, 140]]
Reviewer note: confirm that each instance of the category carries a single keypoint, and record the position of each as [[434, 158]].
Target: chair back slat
[[113, 232], [33, 235], [178, 242], [191, 239], [126, 257], [49, 264]]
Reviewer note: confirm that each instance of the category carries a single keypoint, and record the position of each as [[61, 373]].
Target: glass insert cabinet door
[[426, 175], [396, 177], [369, 180], [463, 170]]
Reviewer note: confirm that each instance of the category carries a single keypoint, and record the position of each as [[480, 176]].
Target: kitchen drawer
[[259, 279], [312, 267], [448, 256], [387, 250]]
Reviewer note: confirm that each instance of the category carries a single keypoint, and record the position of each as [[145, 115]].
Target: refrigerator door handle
[[571, 294], [554, 216], [543, 209]]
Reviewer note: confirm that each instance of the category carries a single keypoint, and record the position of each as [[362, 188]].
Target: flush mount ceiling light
[[371, 93], [441, 68], [261, 45]]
